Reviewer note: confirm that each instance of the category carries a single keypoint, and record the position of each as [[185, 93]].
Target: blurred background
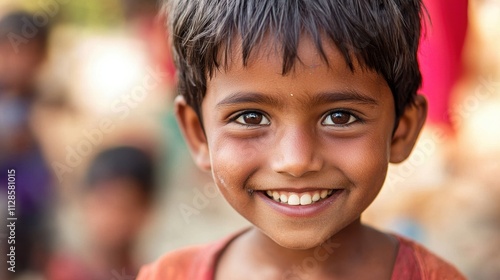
[[104, 182]]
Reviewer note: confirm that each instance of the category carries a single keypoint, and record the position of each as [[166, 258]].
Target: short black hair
[[382, 35], [122, 162]]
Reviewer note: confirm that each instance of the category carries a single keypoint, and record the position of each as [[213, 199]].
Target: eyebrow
[[249, 97], [348, 95], [321, 98]]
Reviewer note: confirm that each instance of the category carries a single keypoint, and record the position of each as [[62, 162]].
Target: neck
[[341, 256], [344, 249]]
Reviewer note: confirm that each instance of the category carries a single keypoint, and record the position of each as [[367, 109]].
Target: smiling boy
[[297, 108]]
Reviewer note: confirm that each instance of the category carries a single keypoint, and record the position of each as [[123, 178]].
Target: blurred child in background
[[117, 197], [23, 49]]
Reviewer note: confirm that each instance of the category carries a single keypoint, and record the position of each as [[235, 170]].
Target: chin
[[300, 240]]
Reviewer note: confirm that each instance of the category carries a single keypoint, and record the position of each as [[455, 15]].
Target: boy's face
[[320, 129]]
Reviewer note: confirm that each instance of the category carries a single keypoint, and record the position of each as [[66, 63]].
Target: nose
[[296, 153]]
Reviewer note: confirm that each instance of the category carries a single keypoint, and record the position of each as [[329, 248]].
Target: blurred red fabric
[[440, 54]]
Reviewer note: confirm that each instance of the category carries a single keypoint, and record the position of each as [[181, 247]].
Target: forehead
[[270, 48], [311, 70], [309, 54]]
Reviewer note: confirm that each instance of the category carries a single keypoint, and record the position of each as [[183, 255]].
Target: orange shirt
[[413, 262]]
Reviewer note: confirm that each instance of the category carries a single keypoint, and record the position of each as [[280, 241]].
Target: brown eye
[[252, 118], [339, 118]]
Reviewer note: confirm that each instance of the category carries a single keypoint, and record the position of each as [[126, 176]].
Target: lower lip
[[300, 211]]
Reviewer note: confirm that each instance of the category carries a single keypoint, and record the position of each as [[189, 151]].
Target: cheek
[[233, 161], [364, 161]]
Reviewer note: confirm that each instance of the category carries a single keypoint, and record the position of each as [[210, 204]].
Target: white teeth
[[276, 196], [298, 199], [324, 193], [316, 197], [293, 200], [305, 199]]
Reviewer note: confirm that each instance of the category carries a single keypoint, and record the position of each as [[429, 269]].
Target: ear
[[192, 131], [408, 129]]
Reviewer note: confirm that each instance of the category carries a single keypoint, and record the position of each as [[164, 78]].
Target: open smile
[[302, 198], [300, 204]]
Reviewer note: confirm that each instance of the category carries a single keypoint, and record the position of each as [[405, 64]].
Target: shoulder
[[416, 262], [193, 263], [174, 265]]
